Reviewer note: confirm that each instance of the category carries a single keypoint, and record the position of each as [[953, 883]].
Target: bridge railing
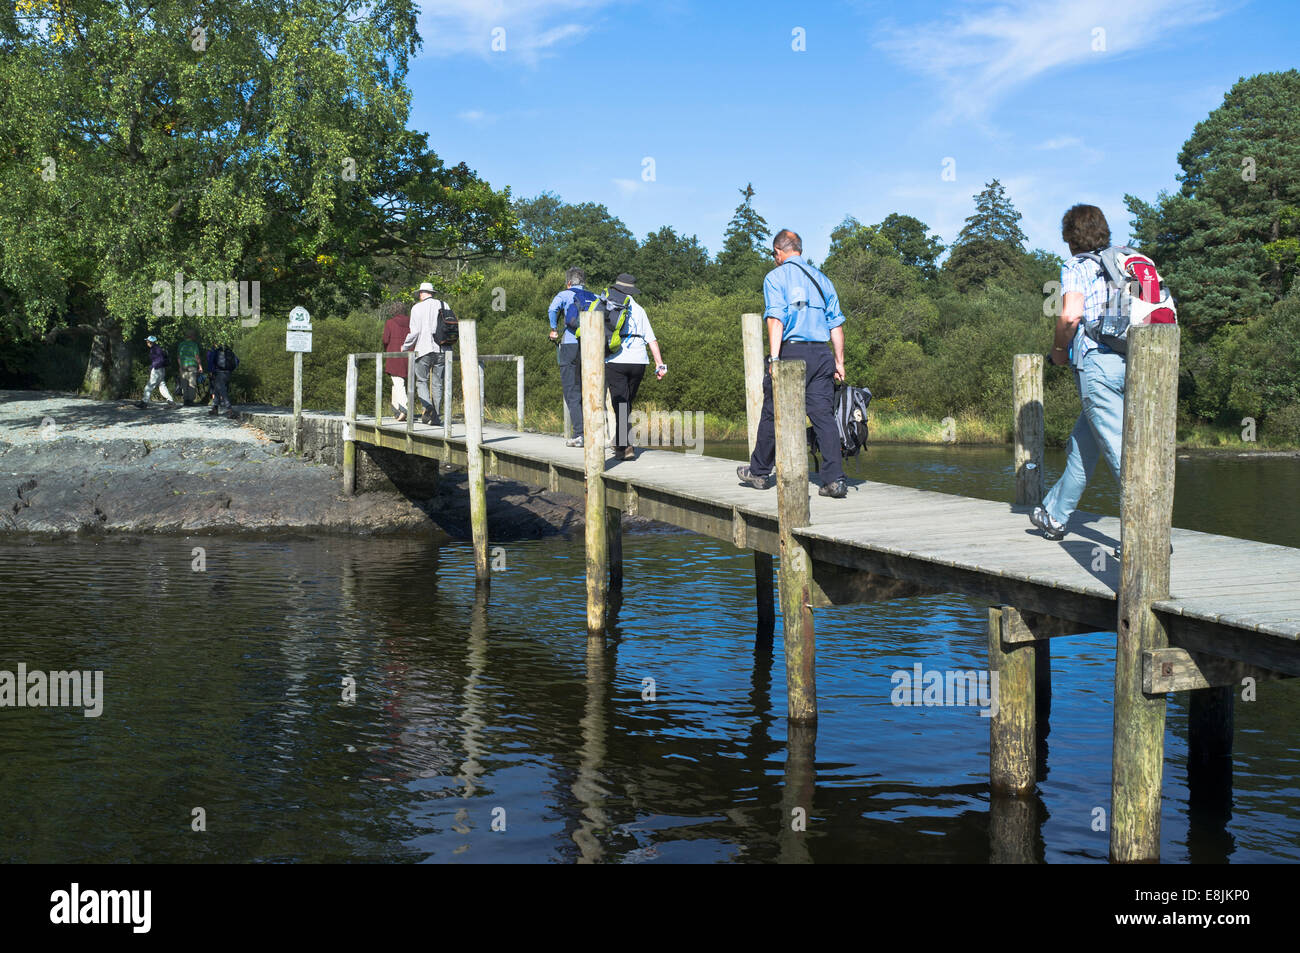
[[448, 380]]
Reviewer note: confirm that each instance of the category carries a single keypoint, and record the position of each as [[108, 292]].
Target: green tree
[[667, 262], [746, 254], [223, 140], [585, 235], [990, 245], [916, 246], [1240, 172]]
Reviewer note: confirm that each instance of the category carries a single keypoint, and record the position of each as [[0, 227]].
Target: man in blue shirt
[[569, 355], [803, 314]]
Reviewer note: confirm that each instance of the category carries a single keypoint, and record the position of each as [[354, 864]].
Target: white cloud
[[1061, 142], [628, 186], [474, 116], [529, 29], [982, 55]]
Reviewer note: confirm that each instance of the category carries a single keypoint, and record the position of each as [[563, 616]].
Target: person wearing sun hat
[[625, 368], [157, 372]]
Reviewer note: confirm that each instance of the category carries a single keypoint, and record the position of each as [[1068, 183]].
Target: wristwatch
[[772, 357], [661, 368]]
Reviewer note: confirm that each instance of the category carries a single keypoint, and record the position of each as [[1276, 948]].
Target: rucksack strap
[[812, 279]]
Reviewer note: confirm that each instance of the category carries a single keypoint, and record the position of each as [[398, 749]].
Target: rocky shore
[[74, 465]]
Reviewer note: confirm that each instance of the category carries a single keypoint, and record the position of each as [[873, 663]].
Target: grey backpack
[[850, 420]]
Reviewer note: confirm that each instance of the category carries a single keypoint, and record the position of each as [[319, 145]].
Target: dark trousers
[[623, 381], [570, 360], [819, 394], [220, 388]]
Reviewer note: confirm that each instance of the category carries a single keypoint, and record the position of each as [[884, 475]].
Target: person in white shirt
[[626, 366], [429, 357]]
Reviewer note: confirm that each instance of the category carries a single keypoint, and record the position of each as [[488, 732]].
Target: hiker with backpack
[[1104, 289], [396, 328], [191, 366], [803, 315], [432, 330], [157, 373], [568, 305], [221, 364], [626, 362]]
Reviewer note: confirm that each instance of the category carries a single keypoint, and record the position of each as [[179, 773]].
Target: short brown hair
[[1084, 229]]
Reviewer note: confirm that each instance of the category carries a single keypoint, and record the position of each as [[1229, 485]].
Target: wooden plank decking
[[1236, 598]]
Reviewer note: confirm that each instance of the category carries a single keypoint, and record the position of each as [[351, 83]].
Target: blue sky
[[859, 122]]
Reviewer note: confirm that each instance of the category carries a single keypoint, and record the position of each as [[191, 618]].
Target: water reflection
[[229, 696]]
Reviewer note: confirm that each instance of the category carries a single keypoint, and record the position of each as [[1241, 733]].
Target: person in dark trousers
[[191, 366], [626, 366], [221, 364], [396, 328], [569, 356], [803, 314]]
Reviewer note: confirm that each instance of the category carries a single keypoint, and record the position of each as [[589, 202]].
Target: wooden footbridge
[[1206, 619]]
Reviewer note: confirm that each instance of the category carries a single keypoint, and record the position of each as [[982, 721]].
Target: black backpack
[[226, 360], [447, 331], [850, 420]]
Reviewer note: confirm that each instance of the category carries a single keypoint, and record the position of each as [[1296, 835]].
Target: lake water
[[226, 690]]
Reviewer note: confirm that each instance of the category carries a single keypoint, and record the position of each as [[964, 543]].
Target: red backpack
[[1136, 295]]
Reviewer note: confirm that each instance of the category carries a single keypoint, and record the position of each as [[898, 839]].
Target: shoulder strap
[[812, 279]]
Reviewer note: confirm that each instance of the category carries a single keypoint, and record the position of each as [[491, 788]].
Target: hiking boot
[[836, 491], [629, 453], [1043, 520], [426, 418], [214, 411], [574, 442], [750, 479]]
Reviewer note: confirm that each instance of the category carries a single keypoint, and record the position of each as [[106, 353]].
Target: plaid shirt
[[1084, 277]]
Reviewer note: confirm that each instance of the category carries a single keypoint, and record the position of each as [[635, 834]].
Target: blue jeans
[[1099, 430]]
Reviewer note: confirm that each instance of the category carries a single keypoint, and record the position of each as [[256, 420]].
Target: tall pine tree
[[745, 254], [1220, 240], [991, 244]]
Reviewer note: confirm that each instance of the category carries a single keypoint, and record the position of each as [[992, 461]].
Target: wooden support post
[[593, 426], [568, 422], [614, 533], [448, 382], [519, 393], [379, 389], [349, 428], [469, 369], [1028, 410], [764, 597], [752, 331], [297, 402], [796, 565], [411, 412], [1210, 720], [1027, 407], [1012, 764], [1146, 510], [764, 594]]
